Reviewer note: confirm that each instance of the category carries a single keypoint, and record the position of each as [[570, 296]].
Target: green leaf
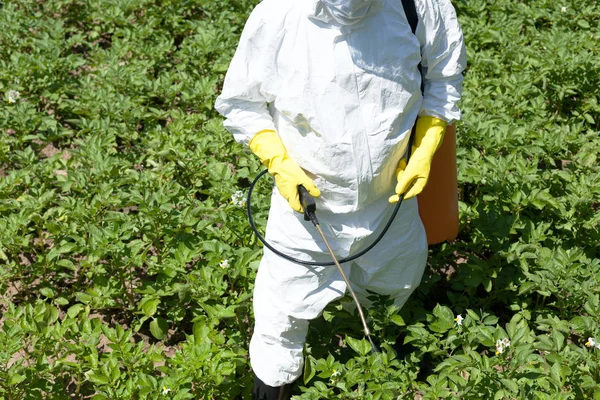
[[589, 118], [97, 378], [362, 347], [201, 331], [510, 385], [583, 24], [74, 310], [488, 285], [490, 320], [558, 339], [150, 306], [15, 379], [159, 328], [47, 292], [61, 301], [556, 374], [68, 264], [309, 371], [398, 320], [485, 336], [444, 320], [473, 315]]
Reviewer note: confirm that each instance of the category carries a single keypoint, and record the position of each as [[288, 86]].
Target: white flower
[[238, 199], [563, 9], [459, 319], [593, 343], [501, 345], [13, 96], [334, 377], [224, 264], [165, 390]]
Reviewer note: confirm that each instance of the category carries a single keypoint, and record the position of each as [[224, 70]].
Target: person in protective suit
[[325, 93]]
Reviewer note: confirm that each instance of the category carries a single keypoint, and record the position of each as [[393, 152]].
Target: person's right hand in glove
[[288, 175]]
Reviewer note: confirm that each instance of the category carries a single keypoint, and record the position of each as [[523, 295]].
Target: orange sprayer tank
[[438, 203]]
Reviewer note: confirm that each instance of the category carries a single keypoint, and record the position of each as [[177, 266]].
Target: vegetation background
[[127, 264]]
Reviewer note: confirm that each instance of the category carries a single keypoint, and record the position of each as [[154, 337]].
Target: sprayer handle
[[308, 203]]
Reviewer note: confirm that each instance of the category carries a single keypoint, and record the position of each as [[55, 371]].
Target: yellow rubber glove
[[269, 148], [413, 177]]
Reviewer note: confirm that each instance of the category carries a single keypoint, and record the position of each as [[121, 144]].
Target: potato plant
[[127, 263]]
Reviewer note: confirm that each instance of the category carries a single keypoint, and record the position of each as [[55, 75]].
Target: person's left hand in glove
[[412, 177]]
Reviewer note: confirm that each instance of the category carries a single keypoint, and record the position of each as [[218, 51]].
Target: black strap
[[410, 10], [411, 14]]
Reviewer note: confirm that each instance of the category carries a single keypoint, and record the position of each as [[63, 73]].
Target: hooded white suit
[[338, 81]]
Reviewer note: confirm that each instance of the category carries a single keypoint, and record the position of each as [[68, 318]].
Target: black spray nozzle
[[309, 205]]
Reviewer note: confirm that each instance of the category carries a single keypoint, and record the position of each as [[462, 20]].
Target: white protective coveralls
[[338, 81]]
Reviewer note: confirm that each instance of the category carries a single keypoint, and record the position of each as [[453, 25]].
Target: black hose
[[343, 260], [314, 263]]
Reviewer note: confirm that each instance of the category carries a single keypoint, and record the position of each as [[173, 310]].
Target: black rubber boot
[[262, 391]]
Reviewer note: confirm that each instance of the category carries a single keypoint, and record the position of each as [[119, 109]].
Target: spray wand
[[310, 214]]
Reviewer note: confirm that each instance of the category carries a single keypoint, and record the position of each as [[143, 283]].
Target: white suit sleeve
[[443, 58], [242, 101]]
